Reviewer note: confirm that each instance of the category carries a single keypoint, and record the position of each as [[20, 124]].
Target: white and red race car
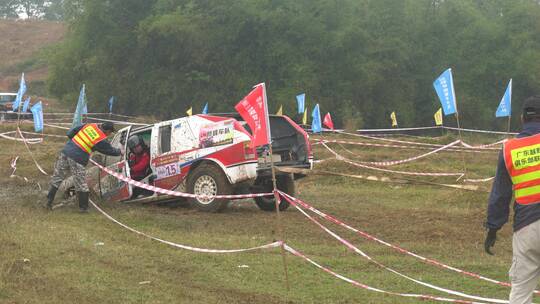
[[206, 155]]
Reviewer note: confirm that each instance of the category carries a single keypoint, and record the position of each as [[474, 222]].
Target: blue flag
[[300, 99], [111, 101], [444, 86], [26, 104], [37, 112], [81, 108], [316, 124], [20, 93], [505, 107], [205, 109]]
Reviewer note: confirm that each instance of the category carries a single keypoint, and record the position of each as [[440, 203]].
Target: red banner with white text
[[254, 111]]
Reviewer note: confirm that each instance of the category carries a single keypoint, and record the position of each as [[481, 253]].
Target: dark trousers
[[138, 191]]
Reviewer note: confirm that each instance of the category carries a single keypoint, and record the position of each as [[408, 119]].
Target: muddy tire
[[284, 183], [210, 180]]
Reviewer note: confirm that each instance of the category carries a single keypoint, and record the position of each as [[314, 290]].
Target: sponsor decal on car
[[216, 134]]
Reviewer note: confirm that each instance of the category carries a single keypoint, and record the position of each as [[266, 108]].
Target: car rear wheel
[[208, 180], [284, 183]]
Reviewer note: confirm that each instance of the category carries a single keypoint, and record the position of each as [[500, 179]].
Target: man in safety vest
[[518, 170], [75, 155]]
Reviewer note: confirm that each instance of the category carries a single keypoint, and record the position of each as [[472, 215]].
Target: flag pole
[[443, 130], [509, 88], [20, 102], [19, 113], [277, 199]]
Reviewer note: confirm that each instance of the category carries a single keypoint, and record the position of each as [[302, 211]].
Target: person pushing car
[[75, 155], [518, 170]]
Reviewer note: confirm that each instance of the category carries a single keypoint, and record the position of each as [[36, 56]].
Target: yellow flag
[[394, 119], [438, 117], [304, 119], [189, 112], [280, 111]]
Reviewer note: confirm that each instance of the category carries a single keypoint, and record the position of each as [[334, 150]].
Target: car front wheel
[[208, 180]]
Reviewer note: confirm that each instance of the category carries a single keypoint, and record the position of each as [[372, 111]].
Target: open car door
[[111, 188]]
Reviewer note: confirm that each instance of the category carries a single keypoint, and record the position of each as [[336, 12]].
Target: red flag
[[254, 111], [327, 121]]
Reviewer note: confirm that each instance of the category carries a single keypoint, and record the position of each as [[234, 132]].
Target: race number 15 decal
[[168, 170]]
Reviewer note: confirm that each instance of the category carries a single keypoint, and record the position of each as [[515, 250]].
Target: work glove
[[490, 240]]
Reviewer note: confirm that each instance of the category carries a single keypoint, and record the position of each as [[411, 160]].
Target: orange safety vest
[[522, 159], [88, 136]]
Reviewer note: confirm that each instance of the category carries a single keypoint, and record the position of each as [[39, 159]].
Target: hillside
[[22, 43]]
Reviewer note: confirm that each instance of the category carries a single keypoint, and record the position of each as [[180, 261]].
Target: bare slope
[[21, 42]]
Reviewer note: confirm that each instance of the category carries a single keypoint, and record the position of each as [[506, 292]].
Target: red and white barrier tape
[[176, 193], [45, 134], [196, 249], [31, 141], [399, 129], [480, 131], [13, 165], [58, 120], [367, 287], [56, 126], [408, 135], [118, 121], [435, 127], [112, 114], [370, 237], [500, 142], [30, 152], [392, 140], [400, 180], [339, 157], [486, 147], [397, 162], [478, 180], [359, 143], [70, 114], [355, 249]]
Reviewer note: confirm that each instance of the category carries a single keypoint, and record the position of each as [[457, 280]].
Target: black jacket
[[73, 151], [501, 193]]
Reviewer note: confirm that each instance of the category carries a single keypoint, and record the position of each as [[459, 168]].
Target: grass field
[[65, 257]]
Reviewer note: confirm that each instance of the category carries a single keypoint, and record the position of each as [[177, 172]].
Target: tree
[[356, 58], [8, 9]]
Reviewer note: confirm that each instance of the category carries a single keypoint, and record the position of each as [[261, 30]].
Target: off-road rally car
[[205, 154], [6, 101]]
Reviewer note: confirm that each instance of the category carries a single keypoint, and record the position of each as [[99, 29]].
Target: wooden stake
[[443, 130], [279, 228], [461, 138]]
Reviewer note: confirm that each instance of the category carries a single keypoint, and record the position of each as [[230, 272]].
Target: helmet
[[134, 141], [107, 126]]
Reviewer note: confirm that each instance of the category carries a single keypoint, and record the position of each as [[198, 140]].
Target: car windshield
[[6, 98]]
